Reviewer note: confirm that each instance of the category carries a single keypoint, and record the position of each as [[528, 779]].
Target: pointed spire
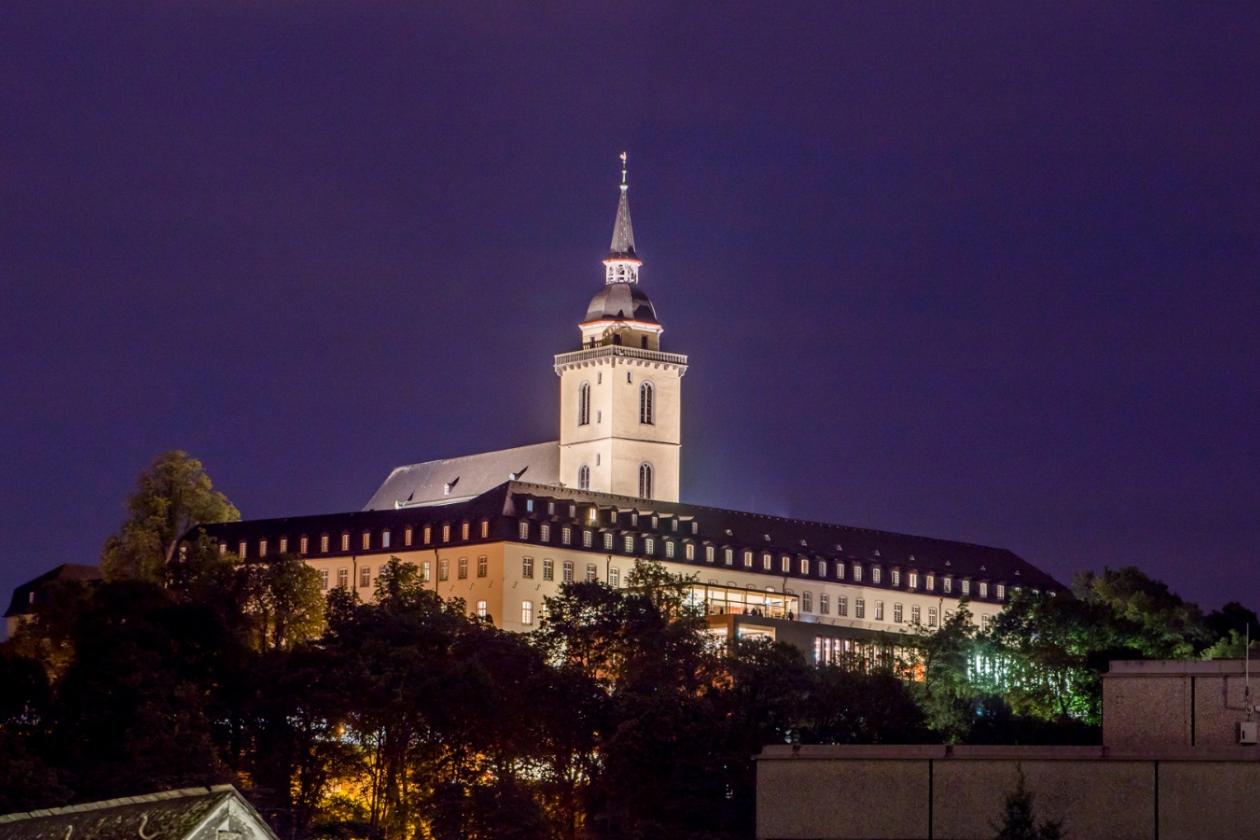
[[622, 246]]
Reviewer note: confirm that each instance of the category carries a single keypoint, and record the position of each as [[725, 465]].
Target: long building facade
[[504, 530]]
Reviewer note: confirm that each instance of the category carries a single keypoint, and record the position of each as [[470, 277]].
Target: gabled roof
[[168, 815], [22, 602], [454, 479]]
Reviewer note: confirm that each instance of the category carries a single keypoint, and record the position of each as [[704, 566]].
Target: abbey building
[[504, 530]]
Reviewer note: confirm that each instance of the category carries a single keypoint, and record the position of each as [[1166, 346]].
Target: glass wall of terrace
[[734, 600]]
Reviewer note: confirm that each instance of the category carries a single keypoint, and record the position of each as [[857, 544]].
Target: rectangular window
[[879, 610], [608, 541], [323, 543], [914, 580], [807, 602], [284, 548], [984, 589], [614, 577], [931, 616], [527, 567], [262, 548], [523, 529], [859, 608], [304, 544], [966, 586], [896, 577], [649, 546], [628, 544], [857, 573], [785, 564], [728, 557], [1001, 590], [323, 579], [592, 573], [766, 562], [365, 577], [428, 534], [426, 571], [898, 614], [948, 585], [240, 549], [669, 549], [929, 582], [824, 603], [345, 540], [544, 532], [842, 605], [527, 612], [481, 609], [747, 559], [586, 539], [839, 570], [222, 549], [566, 535], [462, 568], [446, 533], [566, 572], [463, 530], [876, 574], [385, 538], [482, 566], [529, 505], [549, 569], [804, 566], [485, 528], [444, 568], [365, 541], [689, 551], [915, 615], [985, 621], [822, 568], [409, 535], [343, 578]]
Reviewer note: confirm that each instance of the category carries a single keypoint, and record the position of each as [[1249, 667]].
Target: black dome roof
[[621, 302]]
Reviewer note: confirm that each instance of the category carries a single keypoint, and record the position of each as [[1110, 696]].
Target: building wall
[[928, 791], [1149, 704]]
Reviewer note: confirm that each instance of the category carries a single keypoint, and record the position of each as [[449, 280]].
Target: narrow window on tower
[[584, 477], [584, 404], [646, 398], [645, 481]]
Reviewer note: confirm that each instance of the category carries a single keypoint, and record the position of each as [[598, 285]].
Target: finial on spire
[[624, 185], [621, 251]]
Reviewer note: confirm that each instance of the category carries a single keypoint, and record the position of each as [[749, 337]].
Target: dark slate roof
[[503, 507], [169, 815], [471, 475], [22, 603], [621, 302], [622, 246]]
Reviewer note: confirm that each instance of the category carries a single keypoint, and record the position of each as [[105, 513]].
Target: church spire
[[622, 264]]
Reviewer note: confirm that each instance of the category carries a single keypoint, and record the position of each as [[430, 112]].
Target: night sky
[[983, 272]]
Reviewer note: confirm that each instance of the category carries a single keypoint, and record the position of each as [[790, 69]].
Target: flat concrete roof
[[1003, 752], [1174, 667]]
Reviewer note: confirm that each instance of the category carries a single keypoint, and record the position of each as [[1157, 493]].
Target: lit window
[[1001, 591], [304, 544], [822, 568], [876, 574], [592, 573], [859, 608], [323, 579], [669, 549], [824, 603], [409, 534], [767, 561], [614, 577], [984, 589], [647, 396], [608, 541], [929, 582], [839, 570], [529, 505], [915, 615], [898, 614], [628, 544], [345, 540], [649, 545], [444, 568], [240, 549], [463, 530], [527, 567], [689, 552], [365, 577], [584, 477], [966, 586], [896, 577], [549, 569], [645, 481], [947, 585], [523, 529], [931, 616], [482, 566], [544, 532], [586, 539], [481, 609], [343, 578], [728, 557], [284, 547], [566, 535], [262, 548], [807, 602], [785, 564], [428, 534], [879, 610], [366, 541], [914, 580], [485, 528], [566, 572], [842, 605], [462, 568], [527, 612], [446, 533], [584, 404], [385, 538], [857, 573], [426, 571]]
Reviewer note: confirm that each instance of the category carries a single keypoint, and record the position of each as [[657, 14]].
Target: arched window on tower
[[645, 481], [647, 399], [584, 477], [584, 404]]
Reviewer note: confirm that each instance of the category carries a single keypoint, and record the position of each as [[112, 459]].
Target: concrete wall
[[1152, 704], [925, 792]]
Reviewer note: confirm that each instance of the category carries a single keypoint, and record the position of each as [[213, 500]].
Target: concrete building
[[1171, 767], [206, 813], [503, 530]]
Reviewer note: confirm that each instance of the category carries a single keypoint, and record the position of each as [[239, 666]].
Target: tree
[[1163, 625], [172, 497], [1018, 820], [282, 602], [946, 693]]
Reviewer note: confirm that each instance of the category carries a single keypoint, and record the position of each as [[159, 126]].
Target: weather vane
[[623, 168]]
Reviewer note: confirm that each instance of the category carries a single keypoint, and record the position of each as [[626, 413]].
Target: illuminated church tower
[[620, 396]]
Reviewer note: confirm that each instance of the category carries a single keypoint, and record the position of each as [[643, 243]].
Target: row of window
[[647, 403], [383, 539], [566, 571], [646, 474]]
